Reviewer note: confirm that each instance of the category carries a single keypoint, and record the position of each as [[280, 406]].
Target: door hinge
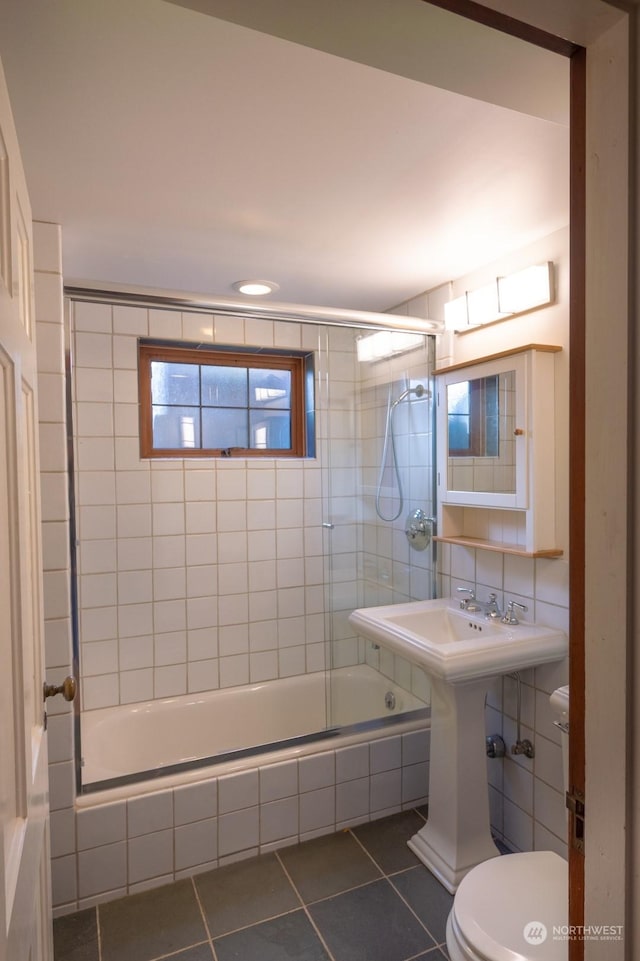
[[576, 805]]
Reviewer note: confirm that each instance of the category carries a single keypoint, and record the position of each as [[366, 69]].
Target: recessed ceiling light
[[255, 288]]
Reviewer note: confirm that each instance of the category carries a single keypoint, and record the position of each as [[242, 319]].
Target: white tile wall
[[238, 831], [196, 844], [150, 856]]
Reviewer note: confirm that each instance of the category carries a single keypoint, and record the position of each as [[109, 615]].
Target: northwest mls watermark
[[535, 932]]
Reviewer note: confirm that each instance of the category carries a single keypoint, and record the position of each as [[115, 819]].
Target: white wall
[[526, 796]]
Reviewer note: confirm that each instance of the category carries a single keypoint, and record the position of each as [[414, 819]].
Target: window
[[200, 402]]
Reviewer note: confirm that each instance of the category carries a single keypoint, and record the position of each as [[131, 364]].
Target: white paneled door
[[25, 914]]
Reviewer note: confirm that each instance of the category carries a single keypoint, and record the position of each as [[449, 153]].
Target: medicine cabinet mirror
[[482, 431], [496, 451]]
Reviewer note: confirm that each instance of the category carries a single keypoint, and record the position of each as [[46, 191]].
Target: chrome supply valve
[[509, 616], [525, 747]]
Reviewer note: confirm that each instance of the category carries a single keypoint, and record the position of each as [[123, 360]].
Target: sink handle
[[469, 599], [510, 614]]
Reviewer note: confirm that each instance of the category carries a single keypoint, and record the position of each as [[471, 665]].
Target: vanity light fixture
[[506, 297], [455, 314], [526, 289], [386, 343], [255, 288], [482, 305]]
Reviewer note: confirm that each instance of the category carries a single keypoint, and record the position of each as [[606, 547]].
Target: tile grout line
[[368, 853], [422, 954], [178, 951], [403, 899], [244, 927], [204, 918], [388, 877], [282, 914], [306, 911]]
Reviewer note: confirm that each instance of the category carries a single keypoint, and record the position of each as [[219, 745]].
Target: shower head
[[418, 390]]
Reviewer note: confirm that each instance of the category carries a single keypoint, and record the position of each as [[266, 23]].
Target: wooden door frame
[[577, 403]]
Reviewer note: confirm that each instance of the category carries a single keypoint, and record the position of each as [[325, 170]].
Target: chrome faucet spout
[[493, 608]]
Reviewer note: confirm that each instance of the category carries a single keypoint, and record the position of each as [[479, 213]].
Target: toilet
[[506, 909]]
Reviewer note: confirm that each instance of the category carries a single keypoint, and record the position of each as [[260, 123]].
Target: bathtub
[[184, 816], [170, 738]]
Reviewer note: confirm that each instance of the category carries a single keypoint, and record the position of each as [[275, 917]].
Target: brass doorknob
[[67, 689]]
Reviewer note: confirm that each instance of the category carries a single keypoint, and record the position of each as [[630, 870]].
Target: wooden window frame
[[294, 362]]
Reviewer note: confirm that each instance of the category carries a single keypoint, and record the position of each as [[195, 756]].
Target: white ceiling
[[182, 151]]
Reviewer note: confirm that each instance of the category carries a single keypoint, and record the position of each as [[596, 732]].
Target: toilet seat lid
[[502, 905]]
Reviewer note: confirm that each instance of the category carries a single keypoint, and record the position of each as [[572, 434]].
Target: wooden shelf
[[544, 348], [498, 546]]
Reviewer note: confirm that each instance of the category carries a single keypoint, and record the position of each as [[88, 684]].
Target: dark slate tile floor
[[360, 895]]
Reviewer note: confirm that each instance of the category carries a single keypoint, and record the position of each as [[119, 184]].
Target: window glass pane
[[270, 430], [174, 383], [176, 427], [224, 387], [224, 428], [270, 388]]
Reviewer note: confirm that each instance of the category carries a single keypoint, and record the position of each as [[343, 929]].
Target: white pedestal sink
[[462, 652]]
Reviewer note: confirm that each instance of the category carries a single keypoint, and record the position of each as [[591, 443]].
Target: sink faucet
[[490, 608]]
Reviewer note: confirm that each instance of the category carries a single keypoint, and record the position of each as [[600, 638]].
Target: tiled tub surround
[[111, 844], [175, 596]]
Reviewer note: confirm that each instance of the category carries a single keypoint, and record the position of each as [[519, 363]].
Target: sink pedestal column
[[457, 835]]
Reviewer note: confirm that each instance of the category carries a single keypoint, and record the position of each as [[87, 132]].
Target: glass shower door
[[380, 467]]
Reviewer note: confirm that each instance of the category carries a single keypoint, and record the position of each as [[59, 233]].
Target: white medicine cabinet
[[496, 452]]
